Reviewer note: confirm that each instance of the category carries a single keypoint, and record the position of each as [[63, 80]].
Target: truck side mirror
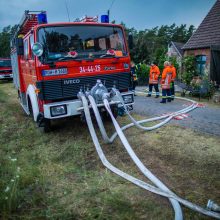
[[20, 46], [130, 41]]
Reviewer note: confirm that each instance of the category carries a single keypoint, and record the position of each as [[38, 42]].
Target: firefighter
[[138, 67], [134, 76], [172, 86], [165, 82], [153, 80]]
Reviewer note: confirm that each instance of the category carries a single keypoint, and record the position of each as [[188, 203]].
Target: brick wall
[[206, 52], [196, 52]]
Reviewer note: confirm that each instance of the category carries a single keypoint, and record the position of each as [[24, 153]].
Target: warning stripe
[[200, 105], [181, 117]]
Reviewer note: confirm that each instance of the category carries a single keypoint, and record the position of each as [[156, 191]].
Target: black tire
[[30, 108], [45, 126]]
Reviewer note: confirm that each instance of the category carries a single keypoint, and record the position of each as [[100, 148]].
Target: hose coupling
[[211, 205]]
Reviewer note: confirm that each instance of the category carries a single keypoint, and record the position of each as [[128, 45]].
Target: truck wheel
[[43, 124], [30, 108]]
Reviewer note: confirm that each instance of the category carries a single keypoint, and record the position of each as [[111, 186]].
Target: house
[[175, 50], [204, 44]]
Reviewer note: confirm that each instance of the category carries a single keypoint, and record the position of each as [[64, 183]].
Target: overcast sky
[[140, 14]]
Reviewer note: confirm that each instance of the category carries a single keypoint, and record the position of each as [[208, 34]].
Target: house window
[[200, 64]]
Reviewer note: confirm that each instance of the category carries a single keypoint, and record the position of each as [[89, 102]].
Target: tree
[[5, 40], [151, 44]]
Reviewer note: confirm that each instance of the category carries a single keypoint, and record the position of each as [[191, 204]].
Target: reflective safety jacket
[[173, 69], [166, 78], [154, 74], [134, 74]]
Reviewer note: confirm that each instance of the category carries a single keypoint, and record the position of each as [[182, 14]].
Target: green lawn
[[59, 175]]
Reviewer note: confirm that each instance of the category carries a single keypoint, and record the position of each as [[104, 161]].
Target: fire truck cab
[[5, 69], [53, 62]]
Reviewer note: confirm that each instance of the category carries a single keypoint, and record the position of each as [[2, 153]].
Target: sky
[[140, 14]]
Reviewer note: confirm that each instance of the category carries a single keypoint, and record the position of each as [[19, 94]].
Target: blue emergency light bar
[[42, 18], [104, 19]]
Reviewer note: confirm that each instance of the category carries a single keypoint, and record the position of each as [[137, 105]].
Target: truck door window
[[26, 49], [31, 55], [116, 42]]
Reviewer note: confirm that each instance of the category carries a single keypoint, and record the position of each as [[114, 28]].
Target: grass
[[59, 175]]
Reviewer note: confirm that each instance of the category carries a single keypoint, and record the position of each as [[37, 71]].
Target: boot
[[157, 96]]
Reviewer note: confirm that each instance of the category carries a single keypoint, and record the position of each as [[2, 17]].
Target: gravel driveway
[[205, 119]]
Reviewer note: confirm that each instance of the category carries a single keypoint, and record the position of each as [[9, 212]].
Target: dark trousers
[[166, 95], [172, 90], [155, 87], [134, 84]]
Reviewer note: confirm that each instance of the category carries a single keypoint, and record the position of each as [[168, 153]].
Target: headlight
[[128, 98], [58, 110]]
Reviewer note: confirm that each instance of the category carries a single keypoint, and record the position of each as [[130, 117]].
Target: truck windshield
[[81, 42], [5, 63]]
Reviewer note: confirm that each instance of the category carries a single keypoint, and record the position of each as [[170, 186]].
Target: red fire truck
[[5, 69], [53, 62]]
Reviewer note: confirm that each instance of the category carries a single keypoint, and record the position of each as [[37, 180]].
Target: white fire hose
[[163, 191], [148, 174]]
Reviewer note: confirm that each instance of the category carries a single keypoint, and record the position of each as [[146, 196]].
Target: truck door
[[24, 64], [28, 63], [31, 61]]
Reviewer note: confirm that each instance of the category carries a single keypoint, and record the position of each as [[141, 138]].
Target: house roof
[[178, 46], [208, 32]]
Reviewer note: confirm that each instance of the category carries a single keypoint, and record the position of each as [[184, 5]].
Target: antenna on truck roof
[[67, 10]]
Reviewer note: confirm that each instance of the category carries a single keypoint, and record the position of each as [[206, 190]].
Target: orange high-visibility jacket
[[166, 78], [154, 74], [173, 69]]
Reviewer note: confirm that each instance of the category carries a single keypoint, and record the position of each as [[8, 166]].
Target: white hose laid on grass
[[185, 110], [170, 116], [132, 179], [176, 206], [107, 140], [141, 166], [167, 118]]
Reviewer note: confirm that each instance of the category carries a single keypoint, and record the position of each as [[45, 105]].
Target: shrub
[[189, 69], [187, 77], [143, 74]]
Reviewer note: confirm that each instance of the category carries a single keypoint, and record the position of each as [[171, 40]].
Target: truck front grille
[[68, 88]]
